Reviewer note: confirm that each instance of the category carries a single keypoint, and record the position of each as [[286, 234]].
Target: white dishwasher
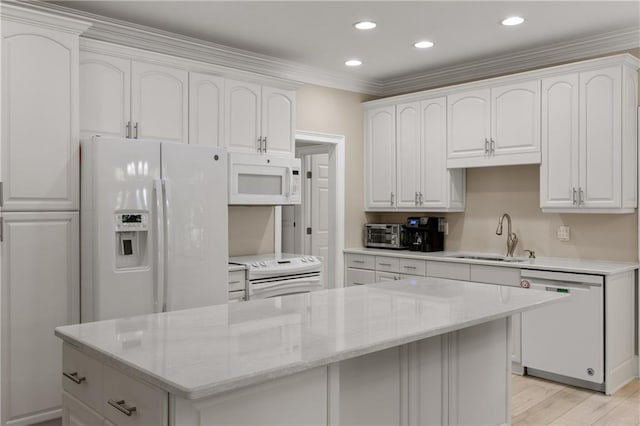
[[565, 338]]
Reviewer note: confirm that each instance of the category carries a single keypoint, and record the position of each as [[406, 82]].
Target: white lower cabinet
[[75, 413], [40, 291], [359, 277]]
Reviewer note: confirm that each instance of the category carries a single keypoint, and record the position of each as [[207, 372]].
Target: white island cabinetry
[[411, 346]]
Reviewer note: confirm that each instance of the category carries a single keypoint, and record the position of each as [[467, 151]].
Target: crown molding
[[553, 54], [247, 63], [11, 11]]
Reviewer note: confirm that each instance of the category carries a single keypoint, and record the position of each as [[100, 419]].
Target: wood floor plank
[[596, 406], [627, 413], [531, 395], [554, 406]]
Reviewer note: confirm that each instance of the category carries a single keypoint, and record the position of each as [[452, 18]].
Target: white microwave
[[264, 179]]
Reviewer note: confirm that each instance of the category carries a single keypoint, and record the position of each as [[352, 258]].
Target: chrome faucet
[[512, 238]]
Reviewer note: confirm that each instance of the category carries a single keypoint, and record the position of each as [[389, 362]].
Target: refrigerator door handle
[[168, 241], [159, 302]]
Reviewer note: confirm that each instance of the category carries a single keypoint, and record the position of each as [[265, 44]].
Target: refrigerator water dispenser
[[131, 239]]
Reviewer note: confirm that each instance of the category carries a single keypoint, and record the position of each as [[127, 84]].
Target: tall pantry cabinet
[[39, 232]]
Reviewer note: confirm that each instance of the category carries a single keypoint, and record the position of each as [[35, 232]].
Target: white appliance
[[154, 227], [565, 338], [272, 275], [264, 179]]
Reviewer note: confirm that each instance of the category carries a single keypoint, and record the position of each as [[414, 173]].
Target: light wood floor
[[541, 402]]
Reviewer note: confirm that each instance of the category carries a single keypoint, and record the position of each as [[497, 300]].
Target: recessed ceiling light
[[365, 25], [353, 63], [424, 44], [512, 20]]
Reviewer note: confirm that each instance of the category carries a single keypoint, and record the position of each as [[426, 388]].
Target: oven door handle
[[286, 283]]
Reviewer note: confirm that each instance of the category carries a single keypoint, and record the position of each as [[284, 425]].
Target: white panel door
[[159, 103], [515, 120], [40, 291], [206, 109], [469, 124], [242, 116], [408, 151], [105, 95], [320, 206], [40, 162], [380, 159], [435, 175], [600, 138], [559, 171], [196, 225], [278, 120]]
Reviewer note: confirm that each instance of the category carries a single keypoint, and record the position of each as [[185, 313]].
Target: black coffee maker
[[425, 233]]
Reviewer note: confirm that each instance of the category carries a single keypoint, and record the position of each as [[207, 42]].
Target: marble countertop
[[233, 267], [600, 267], [196, 353]]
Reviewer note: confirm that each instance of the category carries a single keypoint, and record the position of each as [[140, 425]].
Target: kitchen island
[[422, 351]]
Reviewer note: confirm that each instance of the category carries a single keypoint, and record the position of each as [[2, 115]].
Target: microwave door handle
[[159, 302], [289, 181]]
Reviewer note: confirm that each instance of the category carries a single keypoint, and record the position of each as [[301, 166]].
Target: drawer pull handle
[[234, 282], [384, 264], [122, 407], [409, 267], [358, 261], [74, 377]]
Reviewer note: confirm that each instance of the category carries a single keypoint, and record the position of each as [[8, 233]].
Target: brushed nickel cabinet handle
[[128, 130], [580, 197], [409, 267], [493, 146], [573, 197], [136, 130], [121, 406], [357, 261], [393, 196], [384, 264], [260, 144], [486, 145], [74, 377], [421, 202], [264, 140]]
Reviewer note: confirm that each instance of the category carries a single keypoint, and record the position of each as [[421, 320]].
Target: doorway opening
[[316, 227]]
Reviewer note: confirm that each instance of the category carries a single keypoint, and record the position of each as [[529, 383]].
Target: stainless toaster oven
[[383, 235]]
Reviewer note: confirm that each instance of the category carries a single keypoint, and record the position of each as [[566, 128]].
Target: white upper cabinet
[[159, 103], [259, 119], [133, 99], [408, 161], [380, 157], [40, 139], [418, 138], [589, 141], [105, 95], [206, 107], [493, 127], [442, 189], [278, 120]]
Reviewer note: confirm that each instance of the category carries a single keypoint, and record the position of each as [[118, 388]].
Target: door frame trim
[[336, 148]]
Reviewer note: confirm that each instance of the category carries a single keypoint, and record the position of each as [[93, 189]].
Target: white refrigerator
[[154, 234]]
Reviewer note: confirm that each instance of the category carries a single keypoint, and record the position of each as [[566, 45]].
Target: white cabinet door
[[40, 291], [206, 109], [359, 277], [515, 123], [159, 102], [242, 116], [559, 171], [469, 125], [408, 152], [380, 158], [278, 120], [105, 95], [40, 138], [600, 138], [435, 175], [75, 413]]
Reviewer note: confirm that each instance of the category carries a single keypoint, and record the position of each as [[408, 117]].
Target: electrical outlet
[[564, 233]]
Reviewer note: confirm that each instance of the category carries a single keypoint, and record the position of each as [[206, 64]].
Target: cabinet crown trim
[[10, 12]]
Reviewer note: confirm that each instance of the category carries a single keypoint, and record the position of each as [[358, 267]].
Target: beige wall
[[515, 190], [324, 110]]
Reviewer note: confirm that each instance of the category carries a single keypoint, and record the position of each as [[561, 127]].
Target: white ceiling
[[320, 33]]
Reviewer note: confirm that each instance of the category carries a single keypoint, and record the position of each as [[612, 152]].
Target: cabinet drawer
[[413, 267], [78, 367], [387, 264], [453, 271], [495, 275], [361, 261], [75, 412], [150, 403], [359, 277], [236, 281]]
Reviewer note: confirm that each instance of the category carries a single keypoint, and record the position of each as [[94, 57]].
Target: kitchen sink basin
[[493, 257]]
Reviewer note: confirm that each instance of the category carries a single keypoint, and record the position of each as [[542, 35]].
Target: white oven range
[[272, 275]]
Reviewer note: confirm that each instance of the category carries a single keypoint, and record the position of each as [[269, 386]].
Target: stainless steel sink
[[493, 257]]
